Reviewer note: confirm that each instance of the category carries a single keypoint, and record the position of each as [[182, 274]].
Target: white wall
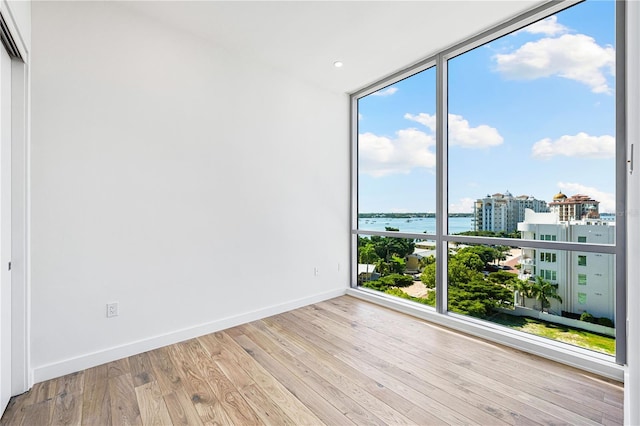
[[196, 189]]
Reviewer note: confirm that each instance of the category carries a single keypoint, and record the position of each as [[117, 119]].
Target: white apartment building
[[585, 280], [575, 207], [502, 212]]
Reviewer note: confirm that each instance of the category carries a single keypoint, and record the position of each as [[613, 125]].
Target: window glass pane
[[498, 284], [531, 129], [400, 267], [396, 156], [531, 156], [478, 284], [582, 298]]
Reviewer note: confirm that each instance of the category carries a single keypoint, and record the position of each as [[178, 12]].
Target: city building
[[502, 212], [585, 280], [575, 207]]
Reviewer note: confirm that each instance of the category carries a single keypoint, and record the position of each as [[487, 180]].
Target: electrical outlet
[[316, 272], [112, 310]]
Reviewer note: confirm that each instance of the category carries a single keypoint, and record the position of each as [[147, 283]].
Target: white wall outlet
[[112, 310], [316, 272]]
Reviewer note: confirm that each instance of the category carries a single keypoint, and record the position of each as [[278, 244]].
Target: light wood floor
[[340, 362]]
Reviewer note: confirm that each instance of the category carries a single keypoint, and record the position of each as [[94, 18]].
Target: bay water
[[417, 225]]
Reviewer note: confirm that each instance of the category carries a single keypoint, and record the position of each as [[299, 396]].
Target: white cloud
[[482, 136], [460, 132], [386, 92], [424, 119], [548, 26], [573, 56], [464, 205], [382, 156], [607, 199], [412, 148], [581, 145]]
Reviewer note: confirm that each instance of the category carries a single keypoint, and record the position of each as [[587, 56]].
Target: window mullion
[[621, 184], [354, 191], [442, 216]]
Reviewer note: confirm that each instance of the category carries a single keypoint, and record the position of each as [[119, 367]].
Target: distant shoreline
[[407, 215], [419, 215]]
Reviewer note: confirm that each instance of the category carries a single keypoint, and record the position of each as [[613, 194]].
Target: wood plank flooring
[[339, 362]]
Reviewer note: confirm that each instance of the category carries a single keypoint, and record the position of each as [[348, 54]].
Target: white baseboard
[[71, 365]]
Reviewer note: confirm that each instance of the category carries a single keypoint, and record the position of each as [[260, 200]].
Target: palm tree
[[367, 256], [543, 290], [523, 287]]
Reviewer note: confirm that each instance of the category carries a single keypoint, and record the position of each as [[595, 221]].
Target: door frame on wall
[[12, 42]]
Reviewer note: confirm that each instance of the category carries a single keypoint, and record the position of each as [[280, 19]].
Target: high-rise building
[[502, 212], [585, 280], [575, 207]]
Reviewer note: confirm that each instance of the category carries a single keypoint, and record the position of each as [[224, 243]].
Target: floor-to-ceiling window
[[397, 186], [488, 180]]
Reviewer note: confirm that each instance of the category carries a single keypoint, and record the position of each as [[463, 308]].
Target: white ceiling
[[372, 38]]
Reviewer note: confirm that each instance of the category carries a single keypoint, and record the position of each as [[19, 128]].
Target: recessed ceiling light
[[338, 64]]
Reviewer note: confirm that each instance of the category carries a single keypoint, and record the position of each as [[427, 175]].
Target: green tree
[[470, 260], [499, 234], [391, 252], [502, 253], [427, 261], [367, 255], [386, 247], [428, 276], [389, 282], [464, 268], [397, 280], [382, 267], [397, 265], [363, 241], [478, 297], [523, 287], [487, 254], [543, 290], [469, 292], [502, 277]]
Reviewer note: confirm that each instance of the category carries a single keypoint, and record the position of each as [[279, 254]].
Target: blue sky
[[532, 113]]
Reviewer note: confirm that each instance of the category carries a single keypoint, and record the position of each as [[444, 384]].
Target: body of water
[[417, 225]]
